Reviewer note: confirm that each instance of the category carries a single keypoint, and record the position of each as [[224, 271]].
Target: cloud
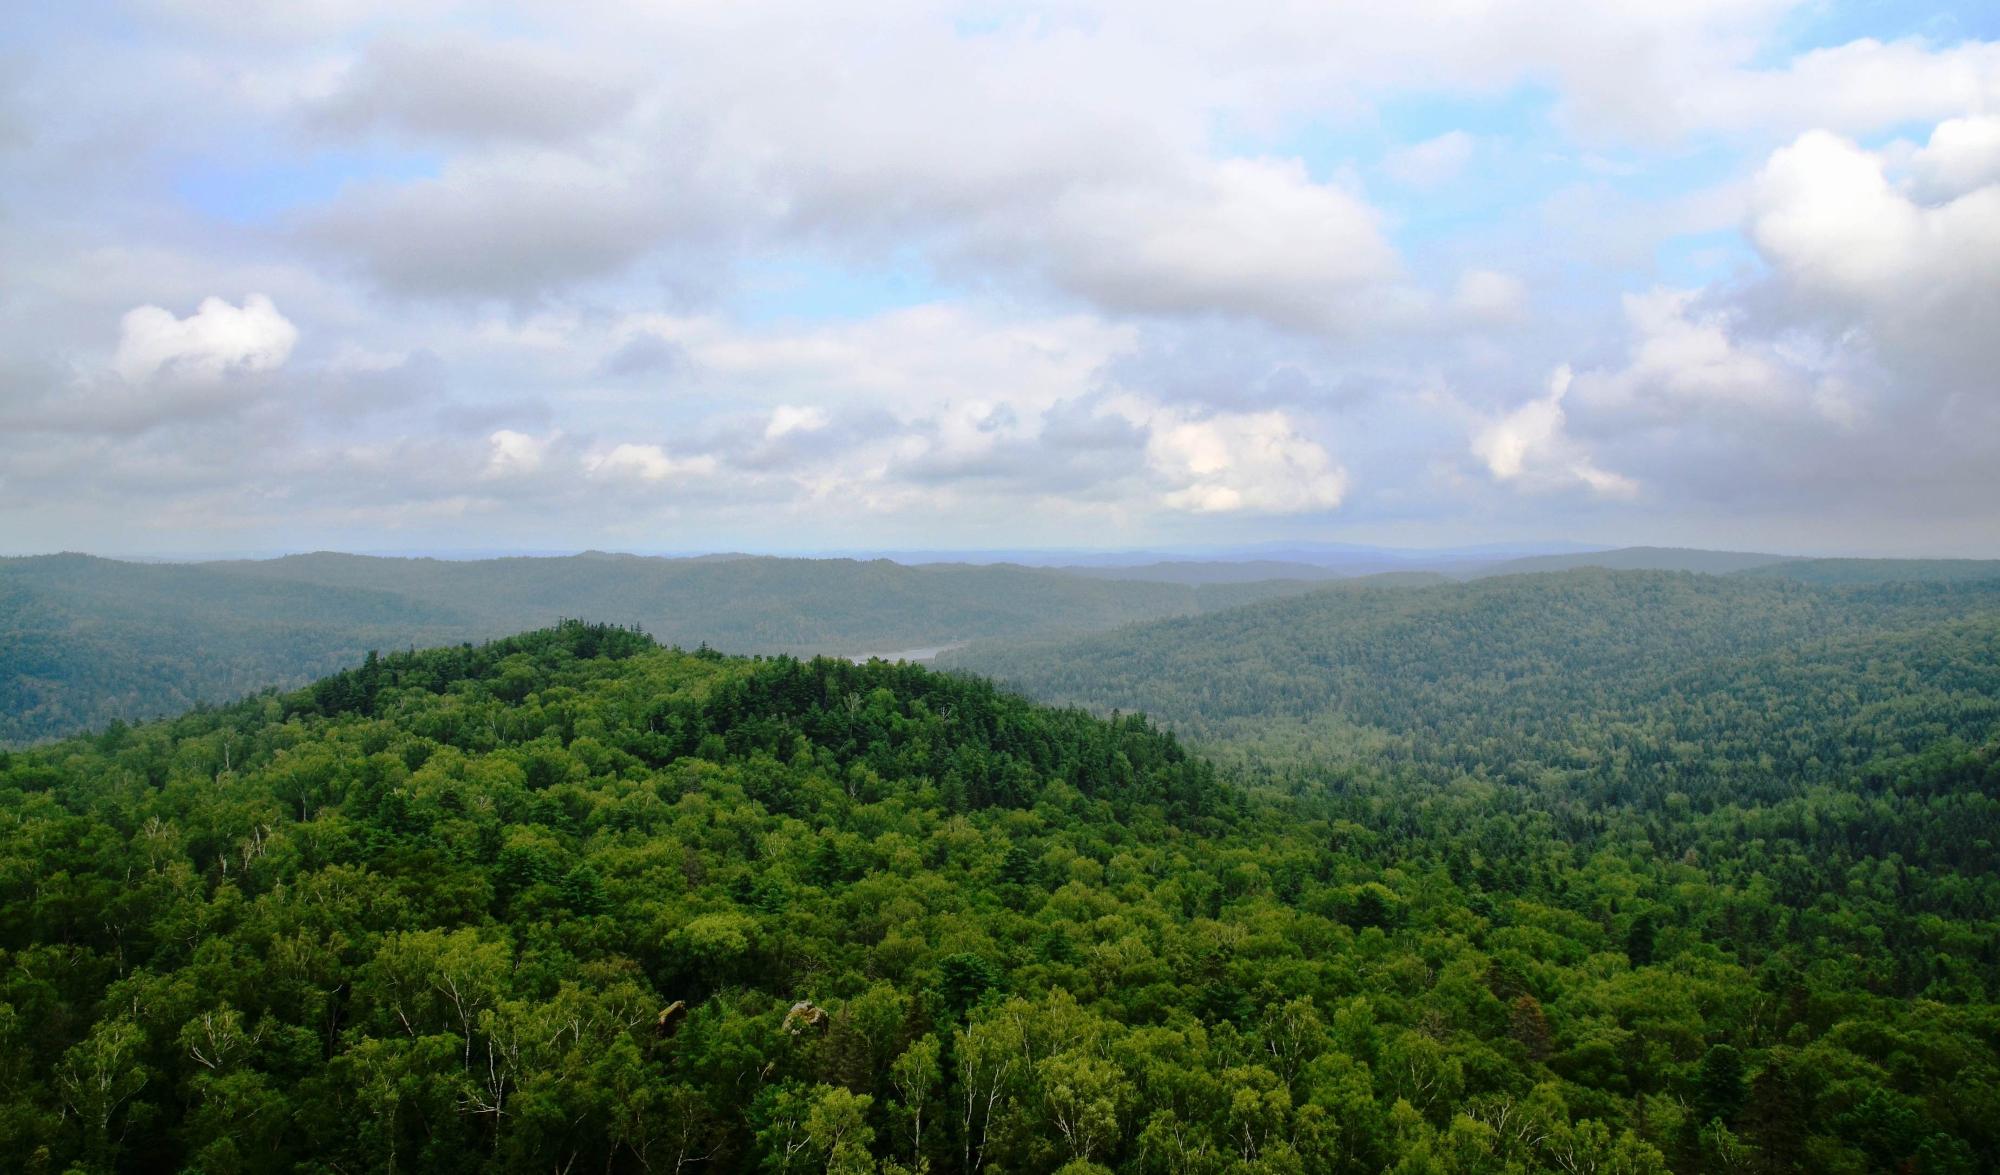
[[1827, 215], [1107, 260], [648, 463], [787, 419], [904, 361], [645, 353], [1855, 88], [936, 409], [1855, 252], [515, 224], [1006, 155], [1531, 447], [516, 453], [1484, 295], [1963, 156], [1230, 463], [217, 340], [462, 88], [1431, 162], [1070, 151], [300, 20], [1685, 357], [1250, 237]]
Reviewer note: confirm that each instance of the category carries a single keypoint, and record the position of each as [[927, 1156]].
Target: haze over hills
[[1189, 571], [1195, 574], [1805, 568], [1835, 572], [88, 640], [1636, 559], [1344, 558], [762, 603], [1473, 563], [85, 640]]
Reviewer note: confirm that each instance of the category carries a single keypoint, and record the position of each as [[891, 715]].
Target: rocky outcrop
[[805, 1014]]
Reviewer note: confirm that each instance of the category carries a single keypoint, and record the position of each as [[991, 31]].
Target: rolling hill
[[1636, 559], [86, 640], [573, 901], [1590, 682], [1844, 572]]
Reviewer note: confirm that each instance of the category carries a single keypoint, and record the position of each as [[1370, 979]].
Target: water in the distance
[[919, 655]]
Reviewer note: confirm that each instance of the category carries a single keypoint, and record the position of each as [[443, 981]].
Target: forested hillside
[[1826, 572], [84, 641], [1837, 572], [1623, 681], [1206, 572], [1639, 559], [571, 902]]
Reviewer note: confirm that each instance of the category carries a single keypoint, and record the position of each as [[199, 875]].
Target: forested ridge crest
[[570, 899]]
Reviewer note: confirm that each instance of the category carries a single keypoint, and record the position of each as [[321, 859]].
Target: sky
[[728, 275]]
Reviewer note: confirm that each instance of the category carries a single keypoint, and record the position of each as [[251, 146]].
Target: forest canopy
[[574, 901]]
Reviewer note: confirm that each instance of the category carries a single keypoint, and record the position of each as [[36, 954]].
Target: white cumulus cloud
[[1912, 280], [649, 463], [1531, 447], [1256, 238], [790, 418], [1828, 215], [1684, 357], [1252, 462], [1963, 155], [516, 453], [214, 341]]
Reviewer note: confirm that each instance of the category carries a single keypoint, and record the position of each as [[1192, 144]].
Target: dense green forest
[[1836, 572], [84, 641], [1203, 572], [1627, 685], [573, 902], [1746, 563]]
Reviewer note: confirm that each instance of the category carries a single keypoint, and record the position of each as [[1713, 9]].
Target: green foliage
[[1848, 572], [1705, 886], [1719, 1089], [1644, 559], [963, 981], [1678, 786]]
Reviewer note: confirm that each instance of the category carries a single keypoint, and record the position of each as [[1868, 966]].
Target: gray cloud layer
[[790, 275]]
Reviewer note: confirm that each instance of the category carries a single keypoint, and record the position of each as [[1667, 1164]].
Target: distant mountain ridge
[[1638, 559], [1836, 572], [1542, 659], [84, 640], [1199, 572], [1757, 564]]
